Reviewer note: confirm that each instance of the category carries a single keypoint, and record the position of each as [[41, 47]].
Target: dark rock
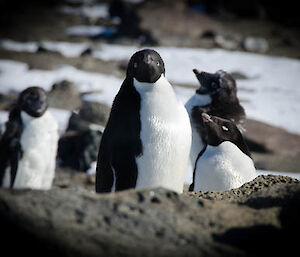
[[93, 112], [6, 101], [77, 150], [89, 113], [153, 222], [64, 95]]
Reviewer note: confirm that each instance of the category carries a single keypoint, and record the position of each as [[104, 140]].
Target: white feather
[[36, 169], [165, 135], [223, 167], [197, 144]]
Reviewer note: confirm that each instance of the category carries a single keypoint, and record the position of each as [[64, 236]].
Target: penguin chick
[[217, 95], [29, 143]]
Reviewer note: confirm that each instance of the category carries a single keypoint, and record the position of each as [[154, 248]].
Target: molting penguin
[[225, 162], [147, 140], [216, 96], [29, 144]]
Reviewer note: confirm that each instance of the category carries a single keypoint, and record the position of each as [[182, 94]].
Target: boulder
[[89, 113], [64, 95], [258, 219]]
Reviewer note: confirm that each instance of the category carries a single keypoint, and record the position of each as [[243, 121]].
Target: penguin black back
[[33, 101]]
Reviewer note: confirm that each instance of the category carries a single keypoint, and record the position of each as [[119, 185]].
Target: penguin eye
[[157, 63], [214, 85], [225, 128], [135, 65]]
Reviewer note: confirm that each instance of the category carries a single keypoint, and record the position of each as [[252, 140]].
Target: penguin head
[[33, 101], [217, 130], [219, 85], [146, 66]]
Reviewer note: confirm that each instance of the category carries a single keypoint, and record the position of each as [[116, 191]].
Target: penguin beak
[[206, 117], [147, 59], [197, 72]]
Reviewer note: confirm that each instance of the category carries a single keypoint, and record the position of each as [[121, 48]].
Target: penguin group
[[150, 137]]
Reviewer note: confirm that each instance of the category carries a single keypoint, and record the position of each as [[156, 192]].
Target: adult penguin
[[147, 140], [29, 143]]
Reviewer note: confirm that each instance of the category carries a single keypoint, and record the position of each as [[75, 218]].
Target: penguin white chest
[[223, 167], [165, 135], [36, 168], [197, 143]]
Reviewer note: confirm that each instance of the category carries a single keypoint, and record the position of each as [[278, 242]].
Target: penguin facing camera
[[217, 95], [147, 139], [29, 143], [225, 161]]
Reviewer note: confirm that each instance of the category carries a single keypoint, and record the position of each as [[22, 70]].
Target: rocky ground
[[260, 218]]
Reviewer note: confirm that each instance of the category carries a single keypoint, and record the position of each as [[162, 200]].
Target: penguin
[[29, 144], [217, 95], [147, 140], [225, 161]]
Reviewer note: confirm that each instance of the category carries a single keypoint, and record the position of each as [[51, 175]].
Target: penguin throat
[[145, 86], [203, 100], [26, 118]]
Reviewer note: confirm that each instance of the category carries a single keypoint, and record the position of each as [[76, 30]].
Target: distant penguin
[[225, 162], [217, 95], [147, 140], [29, 144]]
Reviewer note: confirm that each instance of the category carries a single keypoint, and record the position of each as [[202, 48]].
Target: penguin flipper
[[10, 148]]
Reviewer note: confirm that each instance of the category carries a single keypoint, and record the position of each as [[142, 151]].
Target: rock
[[255, 44], [152, 222], [282, 151], [6, 101], [228, 42], [64, 95], [77, 150], [93, 112], [90, 114]]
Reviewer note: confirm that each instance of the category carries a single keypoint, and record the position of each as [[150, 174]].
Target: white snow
[[19, 46], [95, 11], [15, 76], [67, 49], [86, 30]]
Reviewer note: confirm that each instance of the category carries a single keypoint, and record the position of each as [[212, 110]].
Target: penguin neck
[[157, 99], [161, 91], [26, 118], [202, 100], [162, 84]]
